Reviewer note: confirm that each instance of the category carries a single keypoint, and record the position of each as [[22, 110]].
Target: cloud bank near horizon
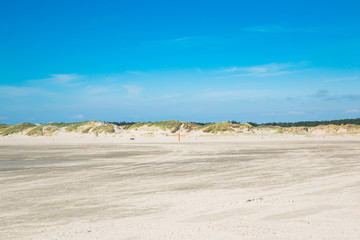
[[259, 93]]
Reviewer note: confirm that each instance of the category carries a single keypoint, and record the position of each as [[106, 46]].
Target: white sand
[[204, 188]]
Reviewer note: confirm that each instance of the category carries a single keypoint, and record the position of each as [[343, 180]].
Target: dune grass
[[107, 128], [172, 125], [218, 127], [73, 127], [16, 128], [36, 131]]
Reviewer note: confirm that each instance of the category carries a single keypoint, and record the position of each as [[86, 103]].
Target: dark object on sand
[[254, 199], [132, 138]]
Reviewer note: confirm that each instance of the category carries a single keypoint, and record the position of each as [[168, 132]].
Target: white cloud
[[166, 97], [266, 70], [9, 91], [354, 110], [199, 39], [274, 29], [59, 79], [64, 78], [133, 91], [182, 39], [136, 73], [321, 93], [229, 94], [296, 113], [324, 94], [271, 67], [185, 41], [342, 79], [79, 116], [198, 70], [99, 90], [3, 118]]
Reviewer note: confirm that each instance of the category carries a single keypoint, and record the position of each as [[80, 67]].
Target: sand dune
[[204, 189]]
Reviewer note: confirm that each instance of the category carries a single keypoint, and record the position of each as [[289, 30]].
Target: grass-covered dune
[[170, 127], [226, 127], [13, 129], [30, 129]]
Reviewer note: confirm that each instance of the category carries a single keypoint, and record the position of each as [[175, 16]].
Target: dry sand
[[199, 189]]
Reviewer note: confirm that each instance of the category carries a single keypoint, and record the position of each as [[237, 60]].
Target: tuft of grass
[[86, 130], [108, 128], [36, 131], [138, 125], [71, 127], [189, 126], [218, 127], [172, 125], [16, 128], [3, 127]]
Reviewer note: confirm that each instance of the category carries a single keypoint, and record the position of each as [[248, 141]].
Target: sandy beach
[[215, 188]]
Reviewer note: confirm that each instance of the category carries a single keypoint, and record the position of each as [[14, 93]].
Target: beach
[[201, 188]]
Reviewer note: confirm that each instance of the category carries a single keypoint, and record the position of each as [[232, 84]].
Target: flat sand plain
[[219, 189]]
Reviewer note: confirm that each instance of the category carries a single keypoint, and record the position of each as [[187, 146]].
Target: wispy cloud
[[266, 70], [11, 91], [296, 113], [67, 80], [324, 94], [274, 29], [136, 73], [229, 94], [271, 67], [182, 39], [133, 91], [354, 110], [321, 93], [342, 79], [349, 97], [94, 90], [79, 116], [188, 39], [3, 118], [167, 96], [185, 42], [64, 78]]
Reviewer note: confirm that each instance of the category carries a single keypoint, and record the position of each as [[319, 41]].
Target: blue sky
[[258, 61]]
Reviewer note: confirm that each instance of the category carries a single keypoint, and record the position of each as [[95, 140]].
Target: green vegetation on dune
[[330, 129], [123, 124], [225, 127], [138, 125], [16, 128], [172, 125], [71, 127], [107, 128], [43, 130], [83, 127], [87, 130], [355, 121], [36, 131], [218, 127]]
